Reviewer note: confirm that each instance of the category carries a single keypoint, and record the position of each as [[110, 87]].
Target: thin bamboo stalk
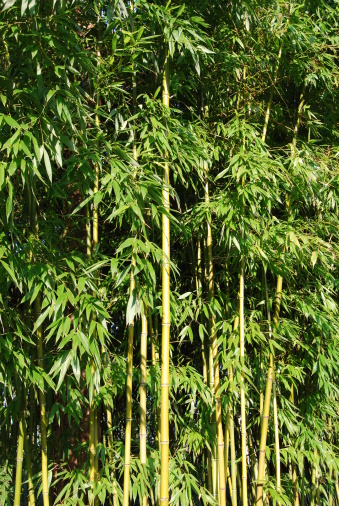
[[302, 501], [227, 451], [269, 105], [31, 493], [330, 467], [234, 470], [166, 316], [143, 379], [242, 389], [254, 465], [233, 457], [20, 453], [276, 438], [43, 414], [129, 382], [219, 468], [115, 500], [314, 480], [293, 466], [267, 400]]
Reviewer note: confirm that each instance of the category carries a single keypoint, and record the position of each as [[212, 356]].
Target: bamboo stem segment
[[43, 415], [129, 383], [19, 459], [218, 471], [269, 382], [242, 390], [143, 379], [166, 317]]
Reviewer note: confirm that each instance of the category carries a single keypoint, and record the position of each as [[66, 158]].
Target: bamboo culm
[[220, 466], [166, 317], [143, 379], [43, 414]]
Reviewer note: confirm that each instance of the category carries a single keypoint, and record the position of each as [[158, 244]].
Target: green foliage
[[67, 106]]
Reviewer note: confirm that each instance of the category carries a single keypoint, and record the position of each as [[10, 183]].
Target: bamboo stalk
[[314, 480], [43, 414], [129, 382], [330, 467], [31, 493], [234, 471], [294, 467], [267, 400], [218, 470], [143, 378], [302, 501], [166, 316], [242, 389], [254, 465], [276, 438], [20, 453], [269, 105]]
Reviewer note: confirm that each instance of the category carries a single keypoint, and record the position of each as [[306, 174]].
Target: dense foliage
[[251, 141]]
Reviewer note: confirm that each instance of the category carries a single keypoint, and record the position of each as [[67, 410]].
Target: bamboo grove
[[169, 252]]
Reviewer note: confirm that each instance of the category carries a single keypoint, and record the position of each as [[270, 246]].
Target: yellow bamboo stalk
[[330, 469], [242, 389], [31, 493], [302, 501], [234, 470], [269, 382], [110, 448], [314, 481], [227, 451], [276, 438], [129, 381], [166, 316], [293, 466], [143, 379], [19, 458], [43, 414], [218, 470]]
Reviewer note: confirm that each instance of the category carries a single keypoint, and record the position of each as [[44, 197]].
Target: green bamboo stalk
[[166, 316], [269, 105], [254, 465], [314, 480], [143, 378]]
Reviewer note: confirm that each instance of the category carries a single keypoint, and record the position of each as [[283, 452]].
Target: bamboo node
[[164, 384], [164, 442], [19, 460]]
